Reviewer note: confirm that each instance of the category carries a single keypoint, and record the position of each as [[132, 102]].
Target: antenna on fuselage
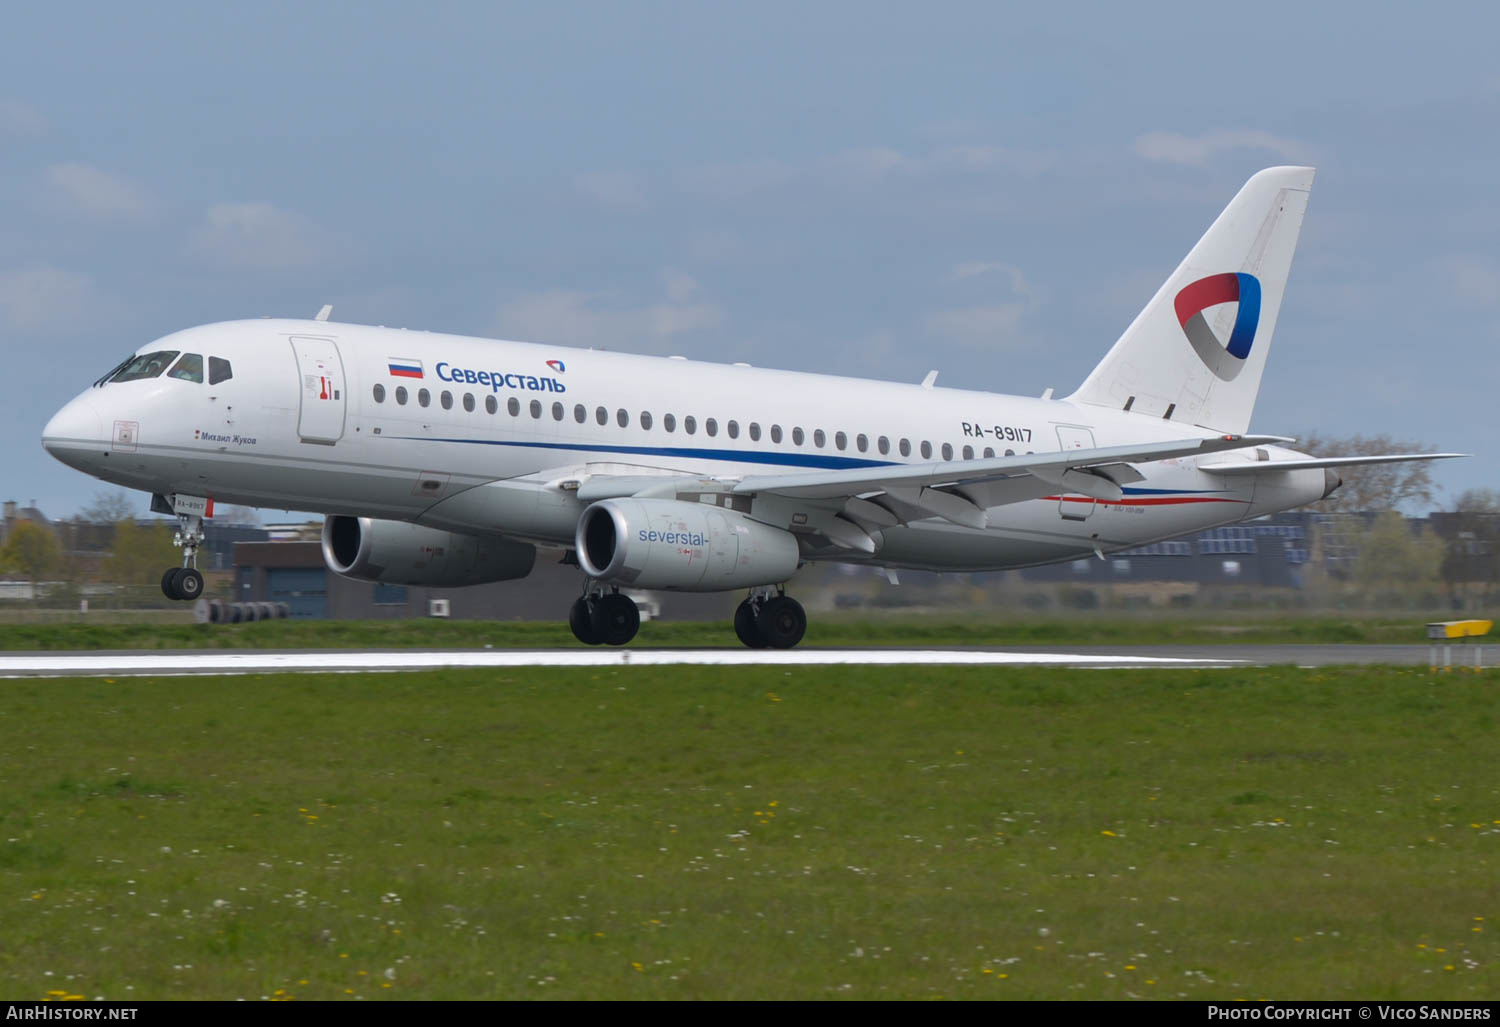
[[323, 314]]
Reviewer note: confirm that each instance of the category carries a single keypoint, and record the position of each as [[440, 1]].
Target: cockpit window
[[218, 370], [147, 365], [189, 368], [107, 375]]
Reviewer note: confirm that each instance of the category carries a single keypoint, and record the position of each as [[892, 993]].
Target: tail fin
[[1189, 356]]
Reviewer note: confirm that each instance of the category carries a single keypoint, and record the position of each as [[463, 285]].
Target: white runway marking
[[259, 661]]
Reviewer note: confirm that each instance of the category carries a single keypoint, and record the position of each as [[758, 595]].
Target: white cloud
[[261, 237], [860, 166], [48, 301], [20, 119], [997, 326], [1011, 273], [1176, 148], [82, 190], [680, 286], [953, 128], [863, 164], [619, 191], [1474, 279], [736, 179], [715, 245], [991, 160], [575, 318]]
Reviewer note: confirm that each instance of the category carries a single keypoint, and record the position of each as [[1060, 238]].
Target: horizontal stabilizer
[[1314, 463]]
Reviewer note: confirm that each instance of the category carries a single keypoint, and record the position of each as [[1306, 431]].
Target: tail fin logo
[[1224, 359]]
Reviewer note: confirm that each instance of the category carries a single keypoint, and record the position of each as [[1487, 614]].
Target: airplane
[[443, 460]]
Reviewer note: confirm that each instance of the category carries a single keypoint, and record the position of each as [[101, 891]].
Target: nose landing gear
[[185, 582]]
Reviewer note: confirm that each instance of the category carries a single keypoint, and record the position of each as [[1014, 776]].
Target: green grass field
[[902, 630], [752, 833]]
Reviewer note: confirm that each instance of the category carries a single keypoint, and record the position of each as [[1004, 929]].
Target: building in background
[[293, 572]]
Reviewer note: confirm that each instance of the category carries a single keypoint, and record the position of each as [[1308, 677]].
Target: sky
[[870, 189]]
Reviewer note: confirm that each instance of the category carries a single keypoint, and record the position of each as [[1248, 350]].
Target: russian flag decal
[[403, 368]]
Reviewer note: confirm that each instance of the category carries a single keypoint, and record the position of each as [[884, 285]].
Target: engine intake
[[689, 547], [397, 553]]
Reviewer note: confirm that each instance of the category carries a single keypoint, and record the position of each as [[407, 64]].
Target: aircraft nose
[[75, 428]]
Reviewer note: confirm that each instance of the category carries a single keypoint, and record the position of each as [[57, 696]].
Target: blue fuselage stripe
[[832, 463]]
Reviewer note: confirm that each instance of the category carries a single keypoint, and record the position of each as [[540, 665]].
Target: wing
[[1312, 463], [955, 490]]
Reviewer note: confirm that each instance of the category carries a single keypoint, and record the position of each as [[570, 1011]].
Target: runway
[[203, 662]]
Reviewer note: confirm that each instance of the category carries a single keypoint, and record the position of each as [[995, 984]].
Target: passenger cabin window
[[733, 428], [446, 399], [819, 439], [797, 436], [513, 406], [622, 418], [646, 419], [968, 452], [840, 440], [601, 415], [558, 413], [775, 433], [491, 404], [469, 402], [862, 441], [669, 422], [401, 394], [424, 398], [219, 370], [147, 365], [711, 426], [690, 424], [906, 447], [379, 393], [884, 445], [926, 450], [536, 409], [947, 451], [754, 431], [580, 413]]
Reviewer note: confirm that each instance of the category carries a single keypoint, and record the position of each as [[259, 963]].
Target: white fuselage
[[309, 419]]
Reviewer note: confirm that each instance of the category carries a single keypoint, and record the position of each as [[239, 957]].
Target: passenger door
[[320, 417]]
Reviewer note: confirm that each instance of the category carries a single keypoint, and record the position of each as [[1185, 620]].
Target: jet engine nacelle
[[397, 553], [690, 547]]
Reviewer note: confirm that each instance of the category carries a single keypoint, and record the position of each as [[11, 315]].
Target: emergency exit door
[[320, 415], [1072, 506]]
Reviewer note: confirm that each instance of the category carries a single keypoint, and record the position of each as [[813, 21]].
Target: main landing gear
[[185, 582], [604, 618], [770, 620]]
